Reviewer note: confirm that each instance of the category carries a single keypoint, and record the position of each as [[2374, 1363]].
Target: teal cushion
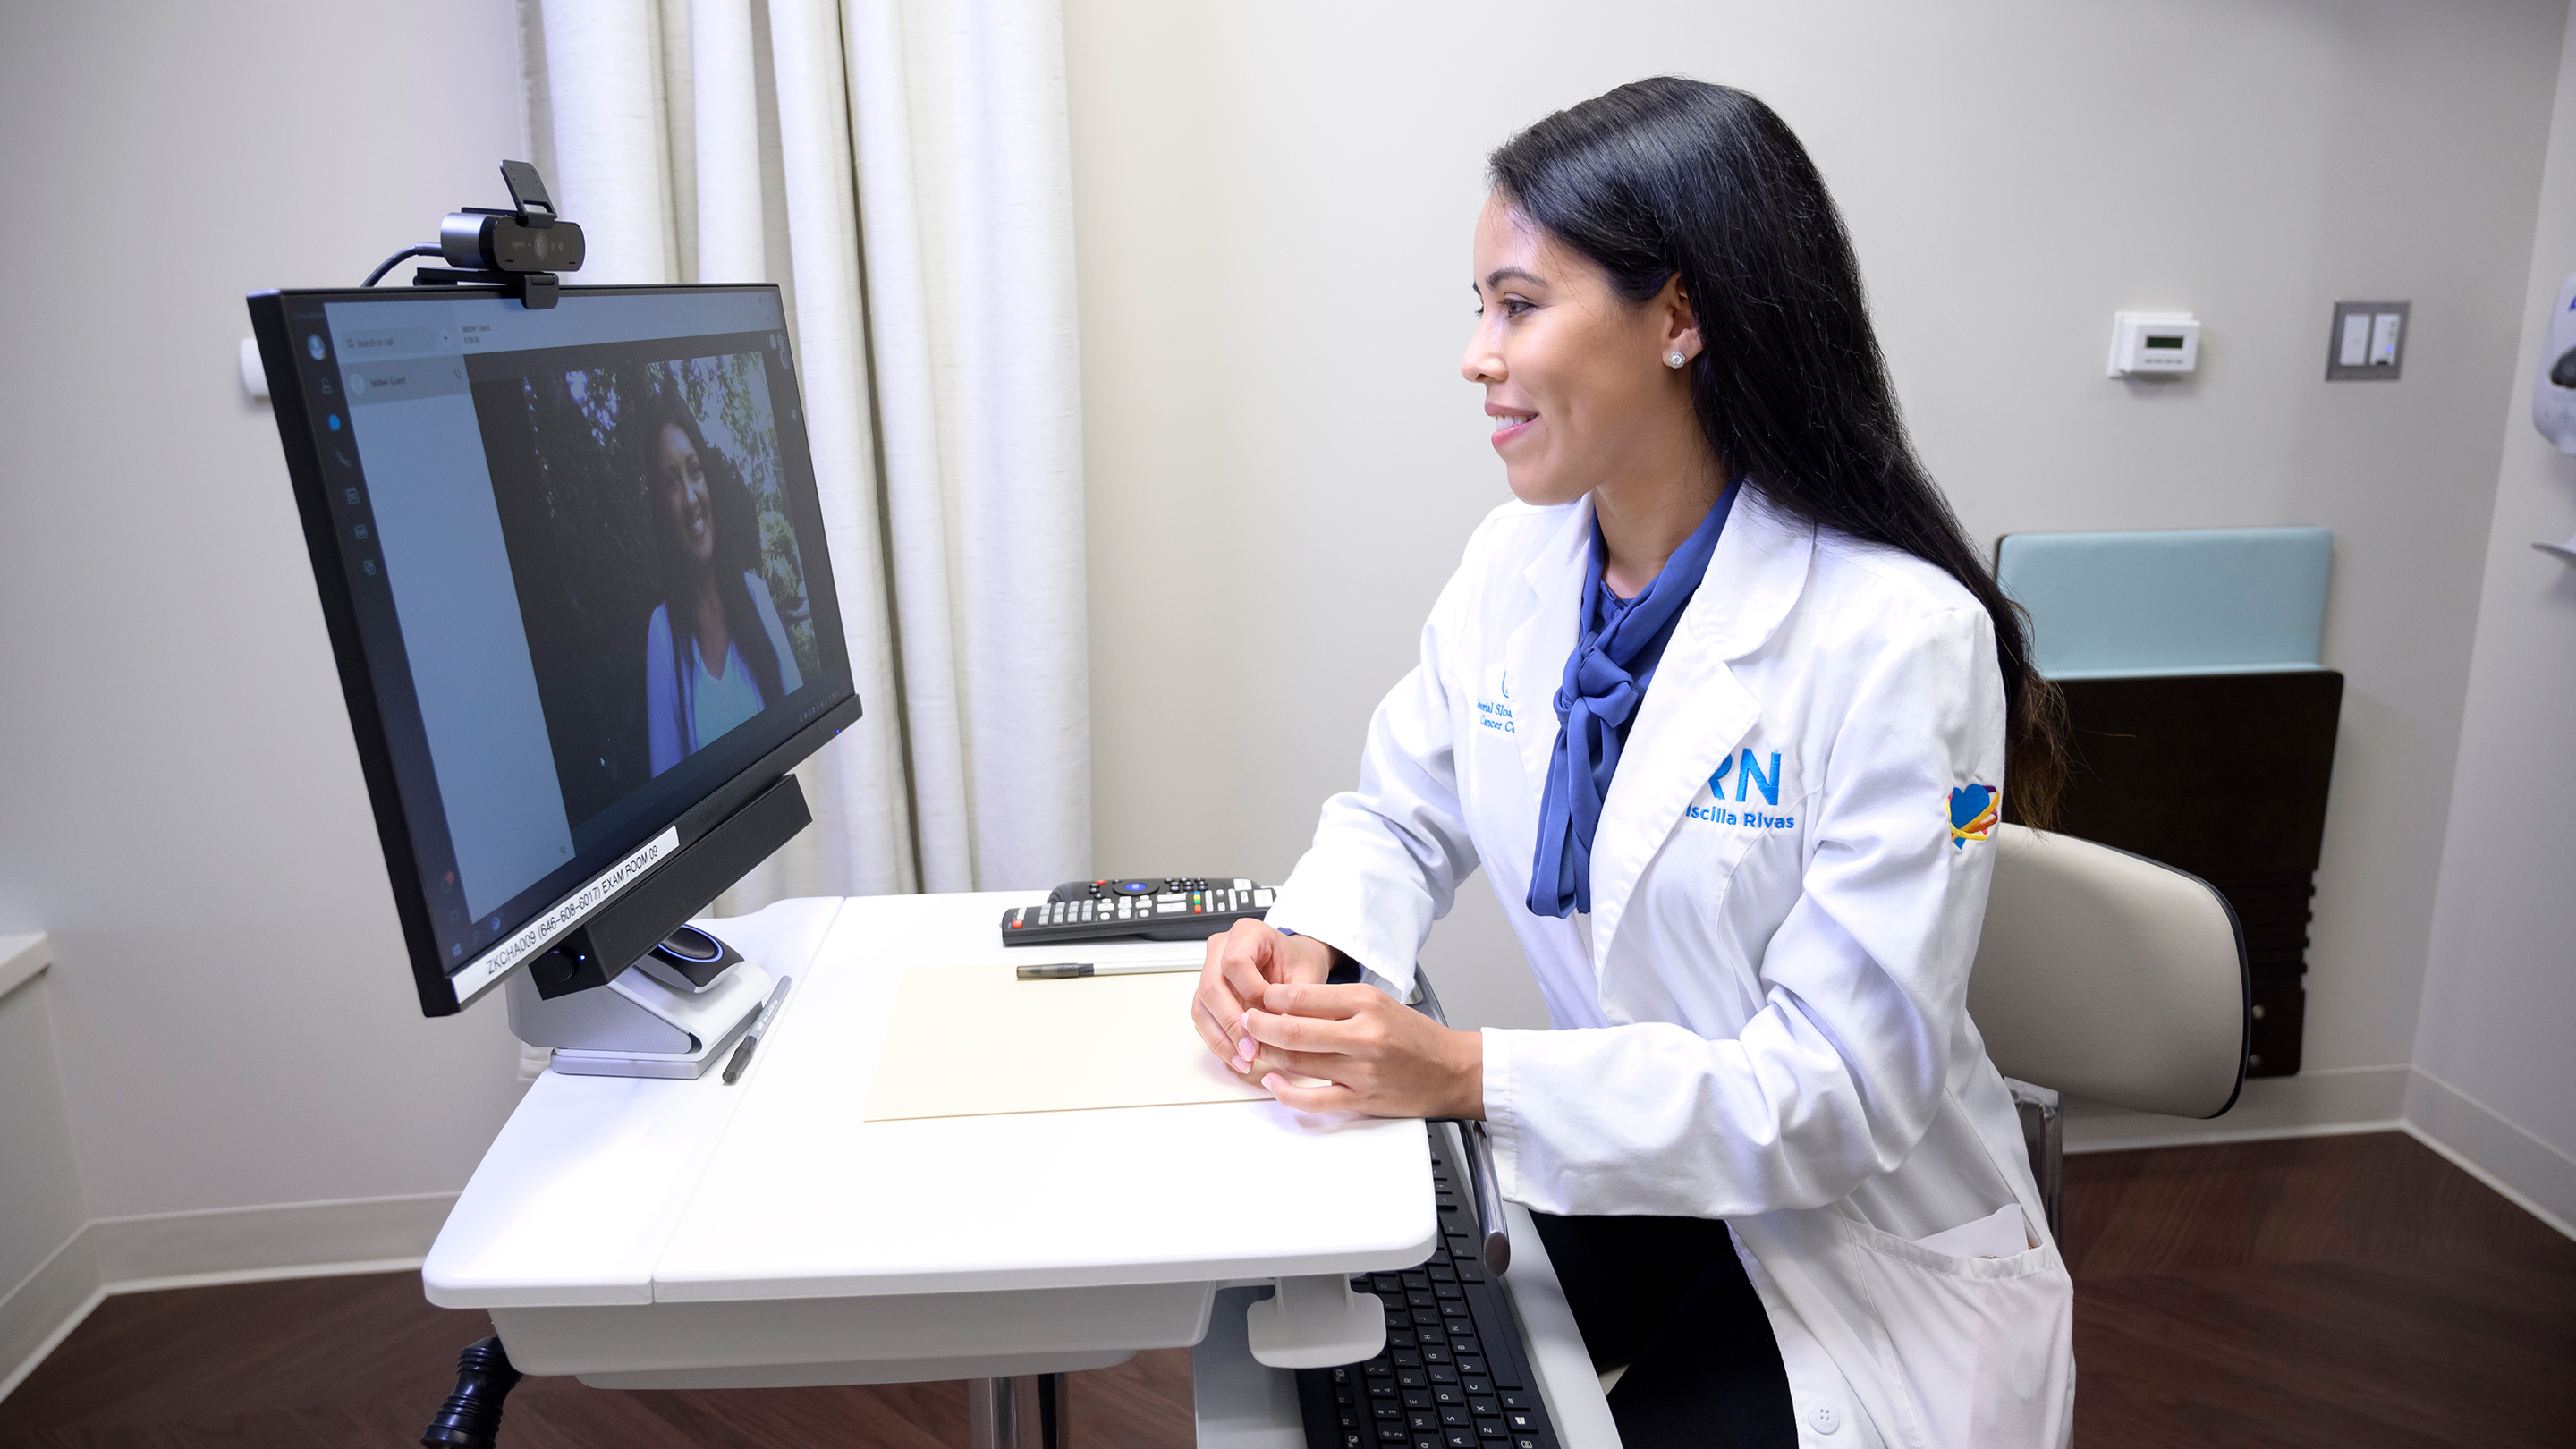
[[2179, 601]]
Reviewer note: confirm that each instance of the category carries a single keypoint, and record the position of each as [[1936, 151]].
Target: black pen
[[759, 1024]]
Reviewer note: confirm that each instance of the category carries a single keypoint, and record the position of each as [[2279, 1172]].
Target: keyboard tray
[[1454, 1374]]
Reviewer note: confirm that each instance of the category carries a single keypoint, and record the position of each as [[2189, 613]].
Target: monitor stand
[[646, 1022], [676, 998]]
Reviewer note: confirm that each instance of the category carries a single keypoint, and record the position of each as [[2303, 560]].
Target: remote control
[[1162, 908]]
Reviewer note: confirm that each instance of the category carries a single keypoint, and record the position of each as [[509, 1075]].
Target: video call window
[[653, 549], [584, 571]]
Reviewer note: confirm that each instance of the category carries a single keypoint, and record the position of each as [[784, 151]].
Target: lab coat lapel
[[1696, 710], [1552, 593]]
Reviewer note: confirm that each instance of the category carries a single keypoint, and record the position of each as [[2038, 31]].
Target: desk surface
[[608, 1191]]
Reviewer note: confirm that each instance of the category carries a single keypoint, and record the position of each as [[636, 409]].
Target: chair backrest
[[2110, 976]]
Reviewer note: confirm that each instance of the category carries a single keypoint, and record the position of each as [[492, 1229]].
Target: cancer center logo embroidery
[[1972, 814]]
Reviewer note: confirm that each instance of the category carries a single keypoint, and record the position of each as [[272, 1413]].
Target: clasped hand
[[1264, 1009]]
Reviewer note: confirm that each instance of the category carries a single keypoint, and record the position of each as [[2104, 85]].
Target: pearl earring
[[1674, 359]]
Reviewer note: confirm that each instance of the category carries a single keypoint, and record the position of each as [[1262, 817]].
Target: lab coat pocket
[[1981, 1348]]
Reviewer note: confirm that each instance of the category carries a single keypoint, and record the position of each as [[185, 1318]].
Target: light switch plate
[[2368, 341]]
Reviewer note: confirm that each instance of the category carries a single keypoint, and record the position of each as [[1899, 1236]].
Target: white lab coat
[[1764, 1018]]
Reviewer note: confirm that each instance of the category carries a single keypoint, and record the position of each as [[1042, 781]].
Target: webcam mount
[[523, 249]]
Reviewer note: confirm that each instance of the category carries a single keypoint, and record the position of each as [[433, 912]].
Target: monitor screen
[[573, 561]]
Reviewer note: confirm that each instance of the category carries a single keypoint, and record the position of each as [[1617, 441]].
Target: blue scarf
[[1615, 653]]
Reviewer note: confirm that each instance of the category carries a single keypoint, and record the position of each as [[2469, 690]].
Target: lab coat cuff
[[1502, 1123], [1334, 916]]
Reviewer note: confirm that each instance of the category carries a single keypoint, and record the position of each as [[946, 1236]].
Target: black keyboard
[[1453, 1374]]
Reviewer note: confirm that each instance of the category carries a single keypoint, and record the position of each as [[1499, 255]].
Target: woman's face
[[684, 495], [1574, 374]]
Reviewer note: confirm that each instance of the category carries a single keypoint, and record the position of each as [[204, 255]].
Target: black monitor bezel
[[340, 617]]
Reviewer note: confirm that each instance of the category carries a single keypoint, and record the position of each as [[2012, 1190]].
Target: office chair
[[2110, 976]]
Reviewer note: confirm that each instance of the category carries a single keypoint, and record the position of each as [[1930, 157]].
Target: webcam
[[523, 250], [528, 237]]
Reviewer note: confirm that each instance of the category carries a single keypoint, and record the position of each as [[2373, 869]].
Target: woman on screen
[[715, 653]]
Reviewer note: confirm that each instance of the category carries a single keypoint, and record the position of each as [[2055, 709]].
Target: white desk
[[661, 1234]]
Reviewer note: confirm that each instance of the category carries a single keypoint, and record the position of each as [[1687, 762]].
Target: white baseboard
[[2321, 1103], [194, 1249], [2534, 1176], [283, 1240], [45, 1307]]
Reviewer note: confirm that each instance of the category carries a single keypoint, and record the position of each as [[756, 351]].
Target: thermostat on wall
[[2150, 344]]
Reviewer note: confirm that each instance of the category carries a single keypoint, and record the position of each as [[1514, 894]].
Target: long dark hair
[[737, 550], [1671, 176]]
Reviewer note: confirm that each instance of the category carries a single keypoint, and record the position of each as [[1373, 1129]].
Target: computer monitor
[[572, 563]]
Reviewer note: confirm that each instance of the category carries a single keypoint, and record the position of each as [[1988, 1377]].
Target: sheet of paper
[[1999, 1234], [968, 1041]]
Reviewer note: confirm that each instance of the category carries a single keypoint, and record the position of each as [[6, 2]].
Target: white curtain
[[900, 169]]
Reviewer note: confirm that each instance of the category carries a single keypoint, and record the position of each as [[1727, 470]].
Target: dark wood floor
[[2328, 1291], [2346, 1291]]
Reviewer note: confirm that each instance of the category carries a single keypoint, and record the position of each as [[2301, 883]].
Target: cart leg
[[471, 1417], [1026, 1411], [1054, 1400]]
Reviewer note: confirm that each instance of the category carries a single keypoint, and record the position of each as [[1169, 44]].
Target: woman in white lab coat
[[1724, 704]]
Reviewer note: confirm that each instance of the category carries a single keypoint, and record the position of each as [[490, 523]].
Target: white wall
[[1273, 207], [2496, 1079], [180, 805]]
